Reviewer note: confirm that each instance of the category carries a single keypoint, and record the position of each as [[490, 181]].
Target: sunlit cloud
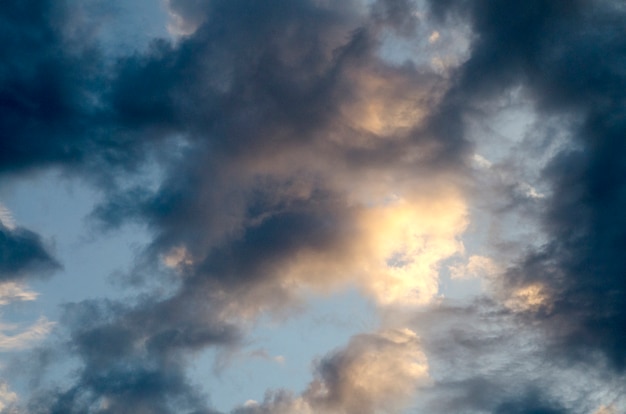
[[6, 217], [25, 337], [604, 409], [7, 398], [373, 373], [528, 298], [13, 291]]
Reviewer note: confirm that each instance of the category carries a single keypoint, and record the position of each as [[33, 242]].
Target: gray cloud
[[484, 357], [283, 137], [553, 50], [374, 372], [133, 357], [23, 254], [261, 117]]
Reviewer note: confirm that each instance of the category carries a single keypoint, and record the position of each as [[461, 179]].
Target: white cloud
[[13, 292], [25, 338], [11, 335], [6, 217], [476, 267], [7, 397]]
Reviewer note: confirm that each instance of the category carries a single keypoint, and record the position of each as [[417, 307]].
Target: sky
[[312, 206]]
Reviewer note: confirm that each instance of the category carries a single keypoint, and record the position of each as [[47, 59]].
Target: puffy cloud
[[298, 167], [293, 156], [133, 357], [374, 372], [377, 372]]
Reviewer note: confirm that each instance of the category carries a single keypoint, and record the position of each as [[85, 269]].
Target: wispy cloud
[[26, 337], [8, 398], [12, 291], [6, 217]]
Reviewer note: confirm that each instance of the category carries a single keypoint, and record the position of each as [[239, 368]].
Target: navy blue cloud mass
[[23, 254], [275, 129]]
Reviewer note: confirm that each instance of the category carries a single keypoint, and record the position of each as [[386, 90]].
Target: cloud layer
[[292, 154]]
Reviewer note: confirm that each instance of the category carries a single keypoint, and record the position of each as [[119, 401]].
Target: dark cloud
[[23, 254], [56, 109], [273, 126], [133, 357], [260, 118], [570, 58], [484, 358], [44, 96], [531, 403], [271, 110]]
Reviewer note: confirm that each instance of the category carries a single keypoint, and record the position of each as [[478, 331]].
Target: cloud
[[23, 254], [7, 398], [42, 96], [26, 337], [374, 372], [292, 156], [133, 357], [274, 120], [552, 49], [291, 159], [11, 292], [484, 357], [6, 218], [476, 266]]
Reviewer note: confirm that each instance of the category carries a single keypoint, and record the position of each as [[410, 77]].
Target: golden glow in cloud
[[395, 253], [386, 104], [476, 267], [605, 410], [374, 372], [377, 372], [404, 242], [177, 258], [6, 218], [528, 298]]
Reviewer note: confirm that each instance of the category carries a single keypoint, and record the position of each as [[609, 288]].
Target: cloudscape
[[313, 206]]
